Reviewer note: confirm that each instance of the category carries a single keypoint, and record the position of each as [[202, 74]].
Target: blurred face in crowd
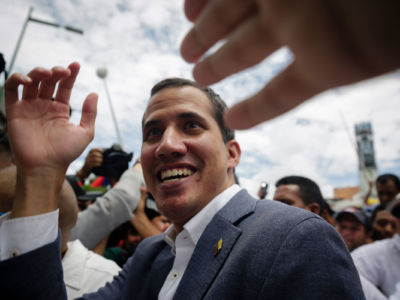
[[132, 239], [352, 231], [161, 222], [384, 226], [289, 194], [184, 158], [386, 191], [396, 214]]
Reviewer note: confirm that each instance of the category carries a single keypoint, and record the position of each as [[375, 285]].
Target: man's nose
[[389, 228], [171, 144], [385, 198]]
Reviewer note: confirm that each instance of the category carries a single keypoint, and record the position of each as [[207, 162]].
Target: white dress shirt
[[21, 235], [183, 244], [379, 262], [85, 271]]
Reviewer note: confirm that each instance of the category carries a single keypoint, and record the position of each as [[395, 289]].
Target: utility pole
[[21, 36], [102, 73]]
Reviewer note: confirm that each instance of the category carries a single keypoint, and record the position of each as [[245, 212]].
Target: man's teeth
[[167, 174]]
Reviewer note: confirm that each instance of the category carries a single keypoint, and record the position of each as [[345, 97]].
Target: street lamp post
[[21, 36], [102, 73]]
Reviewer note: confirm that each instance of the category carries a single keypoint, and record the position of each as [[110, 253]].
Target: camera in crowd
[[115, 162]]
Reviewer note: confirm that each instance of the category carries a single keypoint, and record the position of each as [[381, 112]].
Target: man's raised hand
[[39, 128], [42, 139]]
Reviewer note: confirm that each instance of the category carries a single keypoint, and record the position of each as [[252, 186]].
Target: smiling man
[[223, 244], [186, 159]]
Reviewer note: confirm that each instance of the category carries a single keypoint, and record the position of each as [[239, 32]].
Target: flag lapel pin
[[218, 247]]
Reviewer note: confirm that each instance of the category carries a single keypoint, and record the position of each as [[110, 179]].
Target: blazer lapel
[[160, 268], [209, 257]]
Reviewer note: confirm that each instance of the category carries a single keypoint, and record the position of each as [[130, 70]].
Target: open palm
[[39, 128]]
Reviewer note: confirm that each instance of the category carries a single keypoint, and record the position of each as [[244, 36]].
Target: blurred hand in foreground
[[334, 43]]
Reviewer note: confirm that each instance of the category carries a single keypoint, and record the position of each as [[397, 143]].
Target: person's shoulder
[[284, 212], [101, 264], [377, 247], [269, 211], [91, 259], [149, 245], [278, 219], [151, 240]]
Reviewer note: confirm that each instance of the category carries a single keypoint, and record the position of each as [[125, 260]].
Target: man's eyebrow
[[151, 123], [184, 115], [190, 115]]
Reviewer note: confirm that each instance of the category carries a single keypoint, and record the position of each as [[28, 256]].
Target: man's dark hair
[[377, 209], [218, 104], [385, 178], [309, 191]]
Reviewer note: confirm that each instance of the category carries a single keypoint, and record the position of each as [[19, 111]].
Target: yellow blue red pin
[[218, 247]]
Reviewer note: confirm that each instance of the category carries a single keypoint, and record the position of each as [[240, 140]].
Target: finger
[[246, 47], [283, 93], [95, 150], [37, 75], [95, 161], [65, 86], [46, 89], [193, 8], [143, 191], [143, 197], [214, 23], [11, 86], [95, 155], [89, 111]]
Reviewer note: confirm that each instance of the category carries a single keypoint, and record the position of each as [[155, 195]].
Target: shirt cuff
[[22, 235]]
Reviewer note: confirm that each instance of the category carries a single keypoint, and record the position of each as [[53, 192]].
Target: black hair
[[218, 104], [309, 191], [377, 209], [385, 178]]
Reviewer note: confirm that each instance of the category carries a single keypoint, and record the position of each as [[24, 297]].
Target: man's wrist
[[38, 191]]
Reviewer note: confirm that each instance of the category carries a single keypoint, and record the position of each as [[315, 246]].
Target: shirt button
[[175, 275], [14, 253]]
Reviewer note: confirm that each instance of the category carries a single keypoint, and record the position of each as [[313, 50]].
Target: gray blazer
[[270, 251]]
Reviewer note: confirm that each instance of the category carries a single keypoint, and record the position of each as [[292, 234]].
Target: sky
[[138, 43]]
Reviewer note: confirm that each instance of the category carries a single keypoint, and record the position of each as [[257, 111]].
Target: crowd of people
[[177, 225]]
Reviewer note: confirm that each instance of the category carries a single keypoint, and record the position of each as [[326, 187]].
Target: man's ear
[[314, 207], [234, 152]]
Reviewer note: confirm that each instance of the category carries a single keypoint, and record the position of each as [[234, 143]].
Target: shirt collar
[[196, 225]]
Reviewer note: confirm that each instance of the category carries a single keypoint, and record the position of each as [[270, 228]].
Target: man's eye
[[153, 132], [382, 223], [193, 124]]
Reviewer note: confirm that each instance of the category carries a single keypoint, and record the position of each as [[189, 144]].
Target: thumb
[[89, 112]]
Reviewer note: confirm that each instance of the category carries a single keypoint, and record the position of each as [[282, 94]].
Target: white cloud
[[138, 42]]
